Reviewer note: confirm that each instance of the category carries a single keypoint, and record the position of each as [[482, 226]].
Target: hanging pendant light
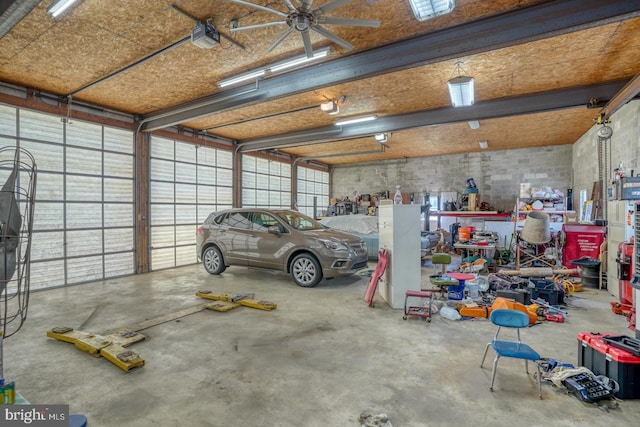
[[461, 89]]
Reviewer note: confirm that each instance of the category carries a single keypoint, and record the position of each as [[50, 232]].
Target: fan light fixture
[[483, 144], [427, 9], [474, 124], [301, 59], [58, 7], [241, 78], [461, 89], [330, 107], [355, 120]]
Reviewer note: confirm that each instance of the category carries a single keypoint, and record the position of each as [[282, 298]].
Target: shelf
[[477, 214]]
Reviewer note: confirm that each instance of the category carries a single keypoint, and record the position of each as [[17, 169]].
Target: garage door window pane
[[120, 165], [84, 269], [7, 120], [84, 215], [44, 127], [118, 140], [49, 157], [83, 134], [118, 215]]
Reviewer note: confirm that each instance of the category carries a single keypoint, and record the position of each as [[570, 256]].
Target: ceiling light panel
[[355, 120], [57, 8], [461, 91], [427, 9]]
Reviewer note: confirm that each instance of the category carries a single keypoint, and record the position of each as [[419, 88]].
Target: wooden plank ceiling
[[98, 38]]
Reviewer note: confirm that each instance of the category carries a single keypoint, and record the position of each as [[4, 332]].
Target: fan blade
[[279, 39], [257, 6], [308, 48], [306, 5], [328, 34], [10, 223], [253, 27], [289, 5], [226, 37], [10, 218], [348, 21], [330, 6]]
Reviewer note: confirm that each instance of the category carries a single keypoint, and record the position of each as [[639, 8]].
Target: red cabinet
[[581, 240]]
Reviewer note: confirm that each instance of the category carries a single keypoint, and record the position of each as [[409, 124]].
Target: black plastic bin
[[589, 271]]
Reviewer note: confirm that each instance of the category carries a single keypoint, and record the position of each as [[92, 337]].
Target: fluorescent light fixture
[[59, 6], [355, 120], [241, 78], [298, 60], [380, 137], [427, 9], [461, 91], [483, 144], [474, 124], [330, 107]]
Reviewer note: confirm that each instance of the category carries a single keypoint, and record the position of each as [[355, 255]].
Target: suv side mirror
[[274, 229]]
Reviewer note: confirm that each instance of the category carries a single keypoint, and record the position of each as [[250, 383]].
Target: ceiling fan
[[304, 19]]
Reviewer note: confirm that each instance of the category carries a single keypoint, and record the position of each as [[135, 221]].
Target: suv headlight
[[335, 246]]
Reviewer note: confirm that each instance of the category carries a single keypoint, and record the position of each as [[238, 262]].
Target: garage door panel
[[49, 157], [84, 242], [84, 269], [186, 255], [162, 170], [118, 264], [49, 186], [162, 214], [83, 134], [185, 193], [84, 215], [162, 236], [118, 165], [163, 258], [116, 190], [185, 173], [118, 240], [48, 216], [47, 245], [206, 175], [83, 187], [47, 274], [118, 140], [8, 120], [45, 127], [185, 152], [162, 192], [186, 214], [186, 233], [118, 214]]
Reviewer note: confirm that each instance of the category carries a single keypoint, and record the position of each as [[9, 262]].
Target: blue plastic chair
[[513, 319]]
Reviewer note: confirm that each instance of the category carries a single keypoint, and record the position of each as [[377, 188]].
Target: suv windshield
[[300, 221]]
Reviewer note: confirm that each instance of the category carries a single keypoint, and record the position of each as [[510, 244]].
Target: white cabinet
[[399, 231]]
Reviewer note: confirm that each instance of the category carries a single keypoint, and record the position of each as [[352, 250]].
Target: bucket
[[455, 292], [536, 228], [472, 288]]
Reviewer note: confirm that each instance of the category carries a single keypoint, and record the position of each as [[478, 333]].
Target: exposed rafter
[[508, 29]]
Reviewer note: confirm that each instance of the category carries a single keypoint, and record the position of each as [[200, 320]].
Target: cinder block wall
[[497, 174], [623, 149]]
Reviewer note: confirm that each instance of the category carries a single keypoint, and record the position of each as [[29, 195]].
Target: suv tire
[[213, 261], [306, 271]]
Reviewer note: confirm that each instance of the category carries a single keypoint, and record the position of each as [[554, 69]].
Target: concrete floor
[[320, 359]]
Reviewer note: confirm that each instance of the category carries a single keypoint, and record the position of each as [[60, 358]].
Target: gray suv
[[282, 240]]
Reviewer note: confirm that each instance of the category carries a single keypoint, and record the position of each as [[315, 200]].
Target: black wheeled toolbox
[[614, 356]]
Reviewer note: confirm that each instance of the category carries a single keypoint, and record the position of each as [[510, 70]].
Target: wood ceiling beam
[[507, 29], [498, 108]]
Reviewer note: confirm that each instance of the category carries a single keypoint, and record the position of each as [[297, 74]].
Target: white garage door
[[187, 183], [84, 210], [312, 183], [265, 183]]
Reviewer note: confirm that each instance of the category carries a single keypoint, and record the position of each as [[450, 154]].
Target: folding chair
[[513, 319]]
